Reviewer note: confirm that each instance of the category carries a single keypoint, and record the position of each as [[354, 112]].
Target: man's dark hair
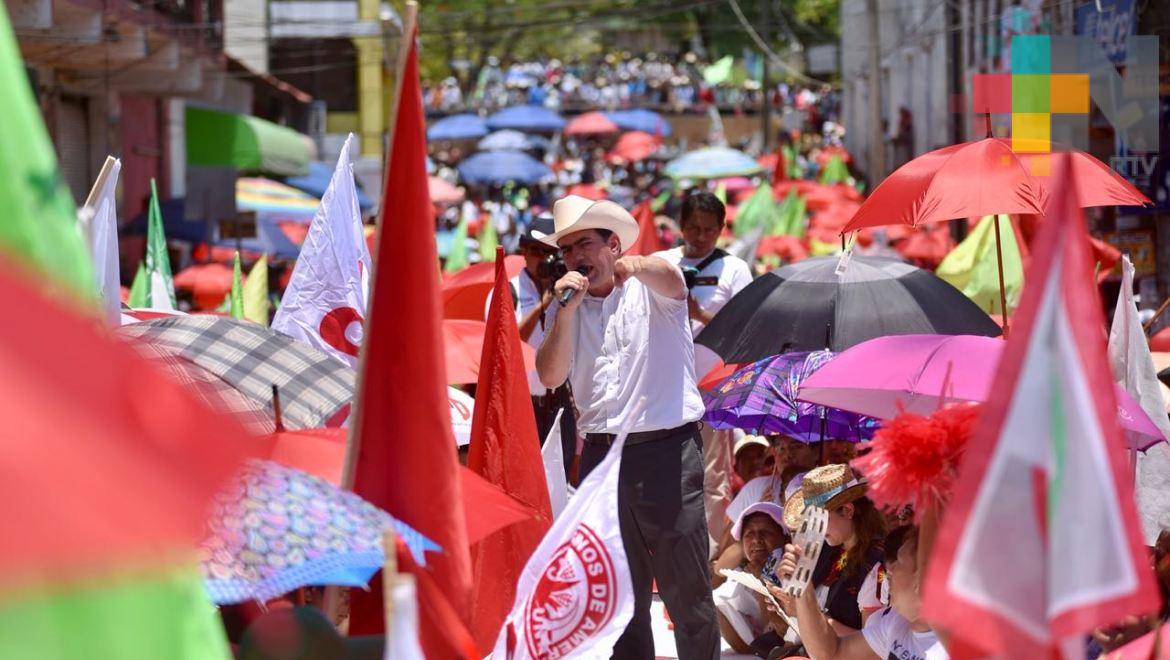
[[604, 234], [701, 200]]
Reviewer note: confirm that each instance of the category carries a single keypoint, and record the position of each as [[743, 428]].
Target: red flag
[[1041, 542], [405, 457], [505, 450], [647, 242], [780, 174]]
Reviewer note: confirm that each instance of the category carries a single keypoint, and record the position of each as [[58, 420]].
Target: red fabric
[[107, 464], [406, 461], [790, 249], [465, 292], [648, 242], [590, 123], [779, 167], [505, 450], [463, 342], [209, 283], [717, 374], [587, 190], [927, 245]]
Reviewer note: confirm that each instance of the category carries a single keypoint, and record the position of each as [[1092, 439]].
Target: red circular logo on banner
[[334, 325], [574, 599]]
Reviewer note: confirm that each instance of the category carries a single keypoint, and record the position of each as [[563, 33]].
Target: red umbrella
[[209, 283], [443, 192], [634, 146], [465, 292], [463, 344], [587, 190], [590, 123], [321, 452], [108, 464]]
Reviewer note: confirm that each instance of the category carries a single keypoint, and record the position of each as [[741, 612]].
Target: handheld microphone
[[568, 293]]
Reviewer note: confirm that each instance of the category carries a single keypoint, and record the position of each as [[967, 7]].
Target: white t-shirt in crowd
[[762, 489], [875, 590], [733, 275], [890, 637], [628, 346], [527, 300]]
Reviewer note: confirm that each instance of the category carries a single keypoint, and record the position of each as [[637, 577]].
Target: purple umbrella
[[914, 372], [762, 397]]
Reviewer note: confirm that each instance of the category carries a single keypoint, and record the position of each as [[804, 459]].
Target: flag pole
[[353, 439], [1002, 290], [86, 212]]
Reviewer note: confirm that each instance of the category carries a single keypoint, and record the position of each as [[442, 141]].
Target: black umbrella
[[808, 306]]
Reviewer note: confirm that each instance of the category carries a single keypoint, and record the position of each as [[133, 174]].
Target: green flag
[[488, 240], [256, 292], [789, 218], [972, 267], [721, 192], [457, 255], [236, 308], [660, 201], [835, 171], [790, 162], [160, 288], [137, 297], [39, 227], [758, 211], [159, 614], [720, 71]]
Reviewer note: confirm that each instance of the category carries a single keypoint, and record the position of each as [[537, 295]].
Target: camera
[[690, 276], [552, 268]]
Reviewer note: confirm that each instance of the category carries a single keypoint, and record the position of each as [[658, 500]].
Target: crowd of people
[[674, 83]]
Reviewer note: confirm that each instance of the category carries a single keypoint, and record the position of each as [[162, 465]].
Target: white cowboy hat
[[574, 213]]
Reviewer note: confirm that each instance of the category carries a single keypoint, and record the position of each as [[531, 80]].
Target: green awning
[[249, 144]]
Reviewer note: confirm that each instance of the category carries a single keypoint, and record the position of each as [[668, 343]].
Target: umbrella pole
[[1002, 290], [276, 408]]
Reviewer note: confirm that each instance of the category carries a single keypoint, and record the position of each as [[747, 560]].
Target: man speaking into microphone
[[622, 336]]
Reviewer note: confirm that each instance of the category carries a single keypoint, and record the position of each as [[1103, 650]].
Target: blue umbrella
[[458, 127], [526, 118], [639, 119], [505, 140], [317, 180], [712, 162], [500, 167]]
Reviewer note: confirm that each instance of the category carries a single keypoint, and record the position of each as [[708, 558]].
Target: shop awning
[[249, 144]]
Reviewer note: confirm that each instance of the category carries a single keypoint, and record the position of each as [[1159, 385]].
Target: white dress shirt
[[628, 345]]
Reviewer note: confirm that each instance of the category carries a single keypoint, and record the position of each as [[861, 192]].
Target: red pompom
[[913, 460]]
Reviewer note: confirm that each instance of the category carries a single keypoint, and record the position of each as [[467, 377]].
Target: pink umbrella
[[737, 183], [879, 376], [443, 192], [590, 123]]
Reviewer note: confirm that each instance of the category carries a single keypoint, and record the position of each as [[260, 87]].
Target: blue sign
[[1109, 27]]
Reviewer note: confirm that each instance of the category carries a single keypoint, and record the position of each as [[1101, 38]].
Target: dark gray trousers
[[664, 530]]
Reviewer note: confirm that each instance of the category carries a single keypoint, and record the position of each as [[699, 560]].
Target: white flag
[[1134, 370], [101, 216], [553, 454], [325, 302], [402, 625], [575, 596]]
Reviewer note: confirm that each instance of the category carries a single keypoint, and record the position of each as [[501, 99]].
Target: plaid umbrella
[[315, 389], [275, 529], [762, 397]]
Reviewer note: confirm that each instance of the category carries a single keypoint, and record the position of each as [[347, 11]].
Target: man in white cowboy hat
[[623, 341]]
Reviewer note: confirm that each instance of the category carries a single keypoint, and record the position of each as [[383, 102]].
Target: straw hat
[[828, 486], [772, 510], [574, 213]]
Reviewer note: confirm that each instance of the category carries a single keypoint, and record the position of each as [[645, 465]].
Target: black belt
[[606, 439]]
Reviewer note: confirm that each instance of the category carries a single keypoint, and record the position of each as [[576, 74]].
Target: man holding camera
[[713, 276], [623, 340], [532, 289]]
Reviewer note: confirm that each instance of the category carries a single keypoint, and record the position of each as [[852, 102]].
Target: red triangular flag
[[647, 242], [1041, 542], [505, 450], [405, 452]]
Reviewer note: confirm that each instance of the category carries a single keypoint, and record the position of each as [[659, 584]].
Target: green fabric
[[835, 171], [157, 264], [137, 297], [236, 306], [790, 163], [660, 201], [256, 292], [720, 71], [972, 267], [721, 192], [249, 144], [457, 255], [164, 614], [488, 240], [39, 226], [758, 211], [788, 219]]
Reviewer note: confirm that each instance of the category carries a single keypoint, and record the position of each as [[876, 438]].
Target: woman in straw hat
[[848, 563]]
